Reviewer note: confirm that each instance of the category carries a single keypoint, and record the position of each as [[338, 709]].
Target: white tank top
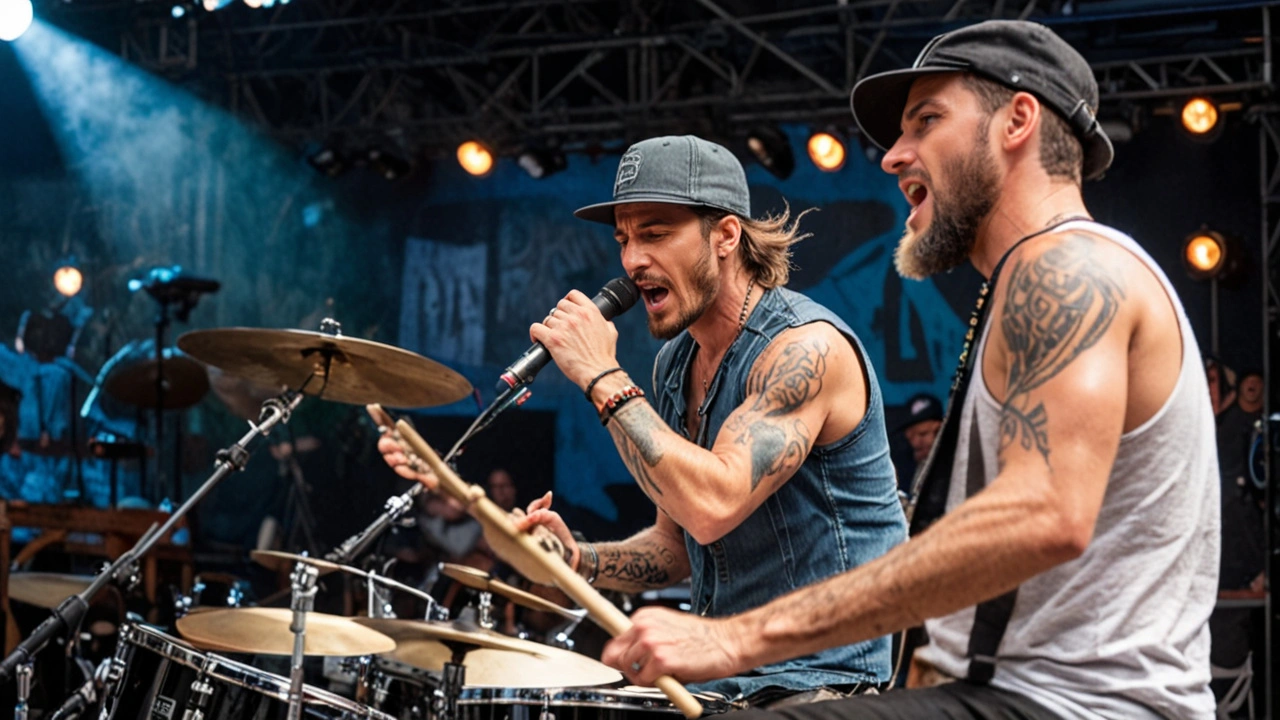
[[1121, 631]]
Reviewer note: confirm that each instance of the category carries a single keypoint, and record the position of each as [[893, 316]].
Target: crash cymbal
[[495, 660], [357, 371], [480, 580], [134, 381], [277, 560], [46, 590], [265, 631]]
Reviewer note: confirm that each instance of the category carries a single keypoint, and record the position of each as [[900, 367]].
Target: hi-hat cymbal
[[495, 660], [277, 560], [480, 580], [345, 369], [185, 381], [46, 590], [265, 631]]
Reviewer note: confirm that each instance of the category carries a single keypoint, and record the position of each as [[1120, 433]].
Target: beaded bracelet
[[592, 385], [620, 398]]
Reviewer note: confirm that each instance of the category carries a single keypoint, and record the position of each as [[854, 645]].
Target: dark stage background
[[126, 172]]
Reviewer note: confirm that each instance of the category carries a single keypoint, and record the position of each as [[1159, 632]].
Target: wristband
[[595, 560], [592, 385]]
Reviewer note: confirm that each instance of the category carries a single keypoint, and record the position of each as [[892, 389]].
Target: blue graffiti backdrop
[[491, 255]]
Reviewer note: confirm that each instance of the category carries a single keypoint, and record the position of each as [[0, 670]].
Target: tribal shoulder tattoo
[[1057, 306]]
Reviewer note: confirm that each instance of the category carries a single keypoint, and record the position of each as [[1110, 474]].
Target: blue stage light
[[15, 18], [178, 11]]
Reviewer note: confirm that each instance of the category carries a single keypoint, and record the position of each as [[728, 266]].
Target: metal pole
[[304, 596]]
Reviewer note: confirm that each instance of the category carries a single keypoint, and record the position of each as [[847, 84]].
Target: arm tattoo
[[647, 566], [633, 429], [792, 378], [1057, 306], [776, 448]]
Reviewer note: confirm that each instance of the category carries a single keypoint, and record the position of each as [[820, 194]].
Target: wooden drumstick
[[543, 560]]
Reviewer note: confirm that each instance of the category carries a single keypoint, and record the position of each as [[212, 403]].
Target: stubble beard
[[705, 282], [949, 238]]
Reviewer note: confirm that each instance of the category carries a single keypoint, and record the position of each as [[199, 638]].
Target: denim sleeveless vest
[[838, 511]]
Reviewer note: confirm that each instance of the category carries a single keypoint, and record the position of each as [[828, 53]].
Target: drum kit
[[434, 668]]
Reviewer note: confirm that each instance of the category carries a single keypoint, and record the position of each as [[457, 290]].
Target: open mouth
[[916, 194], [654, 296]]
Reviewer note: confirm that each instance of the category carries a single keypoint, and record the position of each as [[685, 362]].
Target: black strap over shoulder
[[932, 482]]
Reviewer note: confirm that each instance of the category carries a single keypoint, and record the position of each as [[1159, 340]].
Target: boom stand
[[68, 615]]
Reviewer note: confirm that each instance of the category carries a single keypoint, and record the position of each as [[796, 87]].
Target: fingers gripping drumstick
[[539, 558]]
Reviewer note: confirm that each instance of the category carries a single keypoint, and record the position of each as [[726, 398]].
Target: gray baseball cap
[[1018, 54], [681, 170]]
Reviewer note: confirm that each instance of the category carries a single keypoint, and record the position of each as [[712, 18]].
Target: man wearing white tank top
[[1064, 556]]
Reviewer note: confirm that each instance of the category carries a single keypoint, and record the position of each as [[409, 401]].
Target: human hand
[[540, 518], [690, 648], [578, 337]]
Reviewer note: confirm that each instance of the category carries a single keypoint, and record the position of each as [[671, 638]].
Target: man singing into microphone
[[763, 444]]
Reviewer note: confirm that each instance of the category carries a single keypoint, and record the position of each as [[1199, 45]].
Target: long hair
[[765, 245]]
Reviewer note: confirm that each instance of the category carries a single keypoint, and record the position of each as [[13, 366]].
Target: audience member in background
[[920, 430], [1238, 631], [1222, 390]]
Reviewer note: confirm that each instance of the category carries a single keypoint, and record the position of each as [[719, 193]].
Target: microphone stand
[[397, 506], [69, 614]]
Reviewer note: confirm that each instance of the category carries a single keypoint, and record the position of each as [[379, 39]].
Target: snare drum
[[590, 703], [159, 677]]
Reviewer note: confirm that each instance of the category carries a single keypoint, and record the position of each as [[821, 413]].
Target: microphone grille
[[624, 293]]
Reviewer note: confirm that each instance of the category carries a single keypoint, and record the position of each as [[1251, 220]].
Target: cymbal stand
[[24, 690], [484, 610], [303, 581], [70, 612], [453, 678]]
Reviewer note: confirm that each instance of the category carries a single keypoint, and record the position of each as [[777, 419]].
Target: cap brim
[[878, 101], [1098, 154], [603, 212]]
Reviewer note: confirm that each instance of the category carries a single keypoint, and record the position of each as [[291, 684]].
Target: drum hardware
[[536, 558], [484, 610], [21, 709], [304, 594], [273, 559], [67, 616]]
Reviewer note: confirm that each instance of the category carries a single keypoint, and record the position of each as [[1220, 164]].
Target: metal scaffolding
[[587, 73]]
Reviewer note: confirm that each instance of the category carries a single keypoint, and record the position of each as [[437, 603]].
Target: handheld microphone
[[615, 298]]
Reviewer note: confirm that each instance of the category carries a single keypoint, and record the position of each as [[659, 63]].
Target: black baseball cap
[[921, 407], [1018, 54]]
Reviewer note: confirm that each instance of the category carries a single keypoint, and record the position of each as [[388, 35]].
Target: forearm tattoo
[[1057, 306], [778, 445], [635, 429], [647, 566]]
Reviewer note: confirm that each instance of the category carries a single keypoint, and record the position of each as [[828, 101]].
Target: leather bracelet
[[620, 398], [595, 561], [592, 385]]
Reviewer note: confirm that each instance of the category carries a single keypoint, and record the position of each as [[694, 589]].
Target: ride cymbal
[[277, 561], [331, 367], [491, 659], [46, 590], [481, 580], [265, 631]]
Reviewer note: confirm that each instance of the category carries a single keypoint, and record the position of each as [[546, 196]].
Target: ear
[[1022, 121], [726, 235]]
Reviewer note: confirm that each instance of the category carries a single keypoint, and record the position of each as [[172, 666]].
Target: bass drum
[[155, 676], [590, 703]]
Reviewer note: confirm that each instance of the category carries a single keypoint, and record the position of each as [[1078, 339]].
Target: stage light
[[15, 18], [177, 11], [328, 161], [826, 151], [67, 279], [771, 147], [1204, 253], [475, 158], [255, 4], [1200, 116], [541, 162], [212, 5]]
